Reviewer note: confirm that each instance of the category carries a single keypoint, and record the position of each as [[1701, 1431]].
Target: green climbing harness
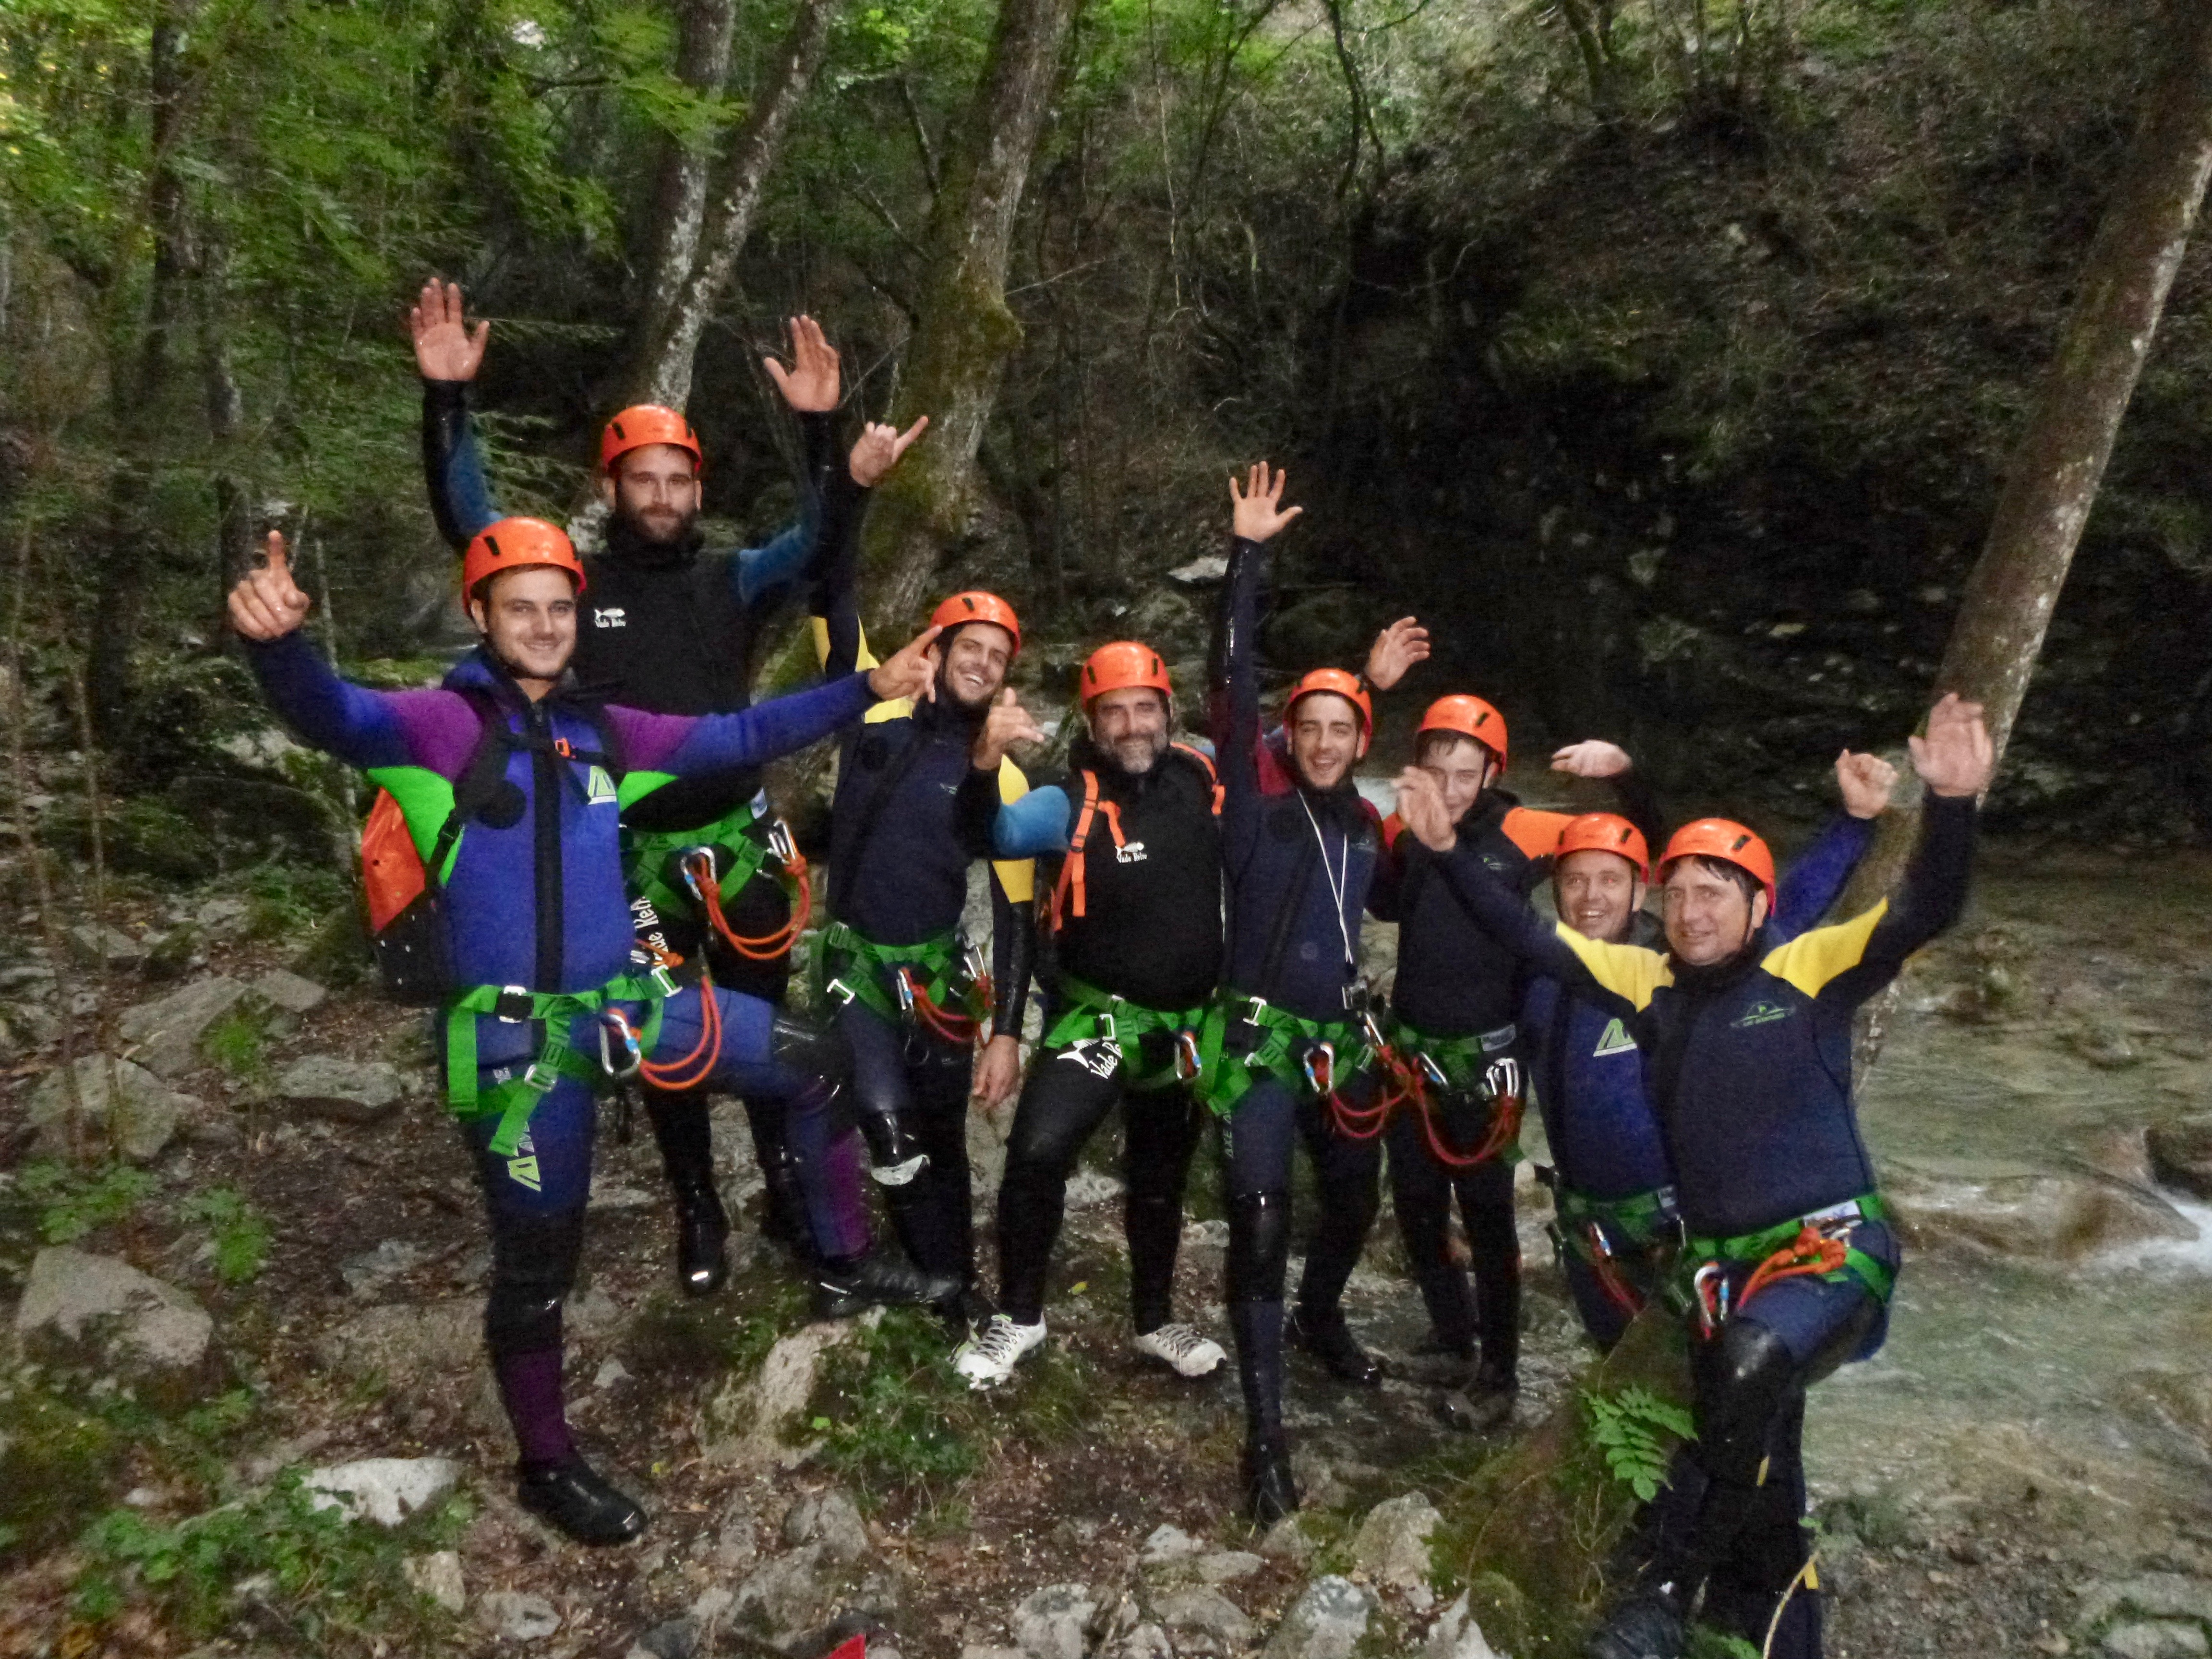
[[1086, 1014], [939, 982], [1243, 1037]]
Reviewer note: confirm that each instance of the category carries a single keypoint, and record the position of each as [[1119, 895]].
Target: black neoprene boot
[[881, 1278], [703, 1233], [1270, 1491], [572, 1496], [1329, 1339], [783, 1206]]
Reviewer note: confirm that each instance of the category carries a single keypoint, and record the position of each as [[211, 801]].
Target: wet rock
[[385, 1490], [2026, 1209], [1224, 1566], [345, 1091], [515, 1616], [1325, 1622], [406, 1340], [294, 994], [2181, 1153], [138, 1115], [2156, 1638], [2152, 1595], [1456, 1635], [1393, 1541], [165, 1033], [438, 1576], [1168, 1543], [1204, 1613], [832, 1520], [76, 1306], [369, 1271], [2106, 1046], [1052, 1623]]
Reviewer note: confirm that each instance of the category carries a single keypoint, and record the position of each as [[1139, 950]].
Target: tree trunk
[[1998, 633], [226, 416], [661, 365], [966, 332]]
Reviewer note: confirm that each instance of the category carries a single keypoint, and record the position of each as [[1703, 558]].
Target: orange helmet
[[1468, 717], [517, 545], [1607, 832], [1336, 683], [1122, 666], [647, 423], [1731, 842], [977, 606]]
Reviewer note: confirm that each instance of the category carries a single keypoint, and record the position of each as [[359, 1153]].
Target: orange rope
[[695, 1068], [956, 1028], [1411, 1084], [1812, 1252], [1609, 1276], [699, 869]]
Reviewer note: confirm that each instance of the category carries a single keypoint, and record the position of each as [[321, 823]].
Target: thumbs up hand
[[268, 604]]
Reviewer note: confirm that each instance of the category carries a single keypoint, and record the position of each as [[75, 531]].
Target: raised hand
[[445, 349], [1593, 757], [1007, 724], [1421, 808], [911, 672], [1957, 756], [1395, 650], [1865, 782], [810, 385], [268, 604], [1259, 512], [878, 450]]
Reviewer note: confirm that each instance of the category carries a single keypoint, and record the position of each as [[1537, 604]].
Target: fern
[[1638, 1432]]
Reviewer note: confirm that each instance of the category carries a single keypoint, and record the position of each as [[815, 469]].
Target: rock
[[367, 1274], [973, 1651], [610, 1371], [1168, 1544], [165, 1033], [1053, 1622], [1325, 1622], [2026, 1209], [78, 1301], [1286, 1541], [1224, 1565], [743, 1422], [294, 994], [832, 1520], [2181, 1153], [438, 1576], [1146, 1641], [2156, 1638], [406, 1340], [116, 947], [385, 1490], [1088, 1188], [2153, 1594], [733, 1537], [139, 1115], [1205, 568], [787, 1590], [1456, 1635], [678, 1639], [222, 916], [346, 1090], [615, 1196], [1206, 1612], [1393, 1542], [515, 1616]]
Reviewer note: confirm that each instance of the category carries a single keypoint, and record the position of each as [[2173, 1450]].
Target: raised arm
[[448, 354], [1233, 669]]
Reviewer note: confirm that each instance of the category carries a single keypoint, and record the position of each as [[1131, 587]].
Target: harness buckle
[[514, 1006], [563, 749], [839, 989], [540, 1077]]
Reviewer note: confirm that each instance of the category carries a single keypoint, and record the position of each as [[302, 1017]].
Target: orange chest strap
[[1067, 897]]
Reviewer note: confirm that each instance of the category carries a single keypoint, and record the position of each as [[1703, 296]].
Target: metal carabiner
[[614, 1021], [1320, 1077], [685, 862], [904, 981], [1189, 1062], [781, 842], [1712, 1308], [1433, 1072]]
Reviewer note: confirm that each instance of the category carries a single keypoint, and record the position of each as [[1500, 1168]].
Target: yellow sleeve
[[1811, 960], [1629, 971], [1016, 876]]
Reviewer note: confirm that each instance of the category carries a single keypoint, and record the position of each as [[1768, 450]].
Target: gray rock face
[[369, 1271], [165, 1033], [1456, 1635], [139, 1114], [1324, 1623], [2156, 1638], [513, 1616], [2025, 1209], [1204, 1613], [832, 1520], [2181, 1153], [1393, 1542], [385, 1490], [1053, 1622], [74, 1300], [294, 992], [407, 1339], [347, 1090]]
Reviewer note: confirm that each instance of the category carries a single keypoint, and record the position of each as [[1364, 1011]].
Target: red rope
[[695, 1068], [1811, 1252], [699, 868]]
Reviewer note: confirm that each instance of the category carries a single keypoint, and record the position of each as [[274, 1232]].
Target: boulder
[[111, 945], [2027, 1210], [787, 1591], [1456, 1635], [1146, 1640], [438, 1576], [1225, 1565], [77, 1305], [515, 1616], [1053, 1623], [1168, 1543], [346, 1090], [743, 1422], [165, 1033], [406, 1340], [2181, 1153], [832, 1520], [1393, 1542], [385, 1490], [1204, 1613], [1325, 1622], [2156, 1638], [139, 1113], [294, 994]]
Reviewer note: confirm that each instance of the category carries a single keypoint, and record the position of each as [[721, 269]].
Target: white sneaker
[[989, 1358], [1181, 1347]]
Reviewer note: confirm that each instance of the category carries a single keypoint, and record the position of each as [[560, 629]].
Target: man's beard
[[949, 695], [632, 542], [1137, 755]]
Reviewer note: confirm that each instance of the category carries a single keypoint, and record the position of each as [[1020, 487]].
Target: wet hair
[[1431, 744], [1746, 883]]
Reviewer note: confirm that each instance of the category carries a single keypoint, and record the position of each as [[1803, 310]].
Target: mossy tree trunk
[[965, 332]]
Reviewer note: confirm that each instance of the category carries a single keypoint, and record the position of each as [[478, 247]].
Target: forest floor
[[356, 1339]]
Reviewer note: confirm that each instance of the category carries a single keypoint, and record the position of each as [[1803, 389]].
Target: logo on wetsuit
[[1760, 1013], [612, 616], [1615, 1040], [1133, 853]]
